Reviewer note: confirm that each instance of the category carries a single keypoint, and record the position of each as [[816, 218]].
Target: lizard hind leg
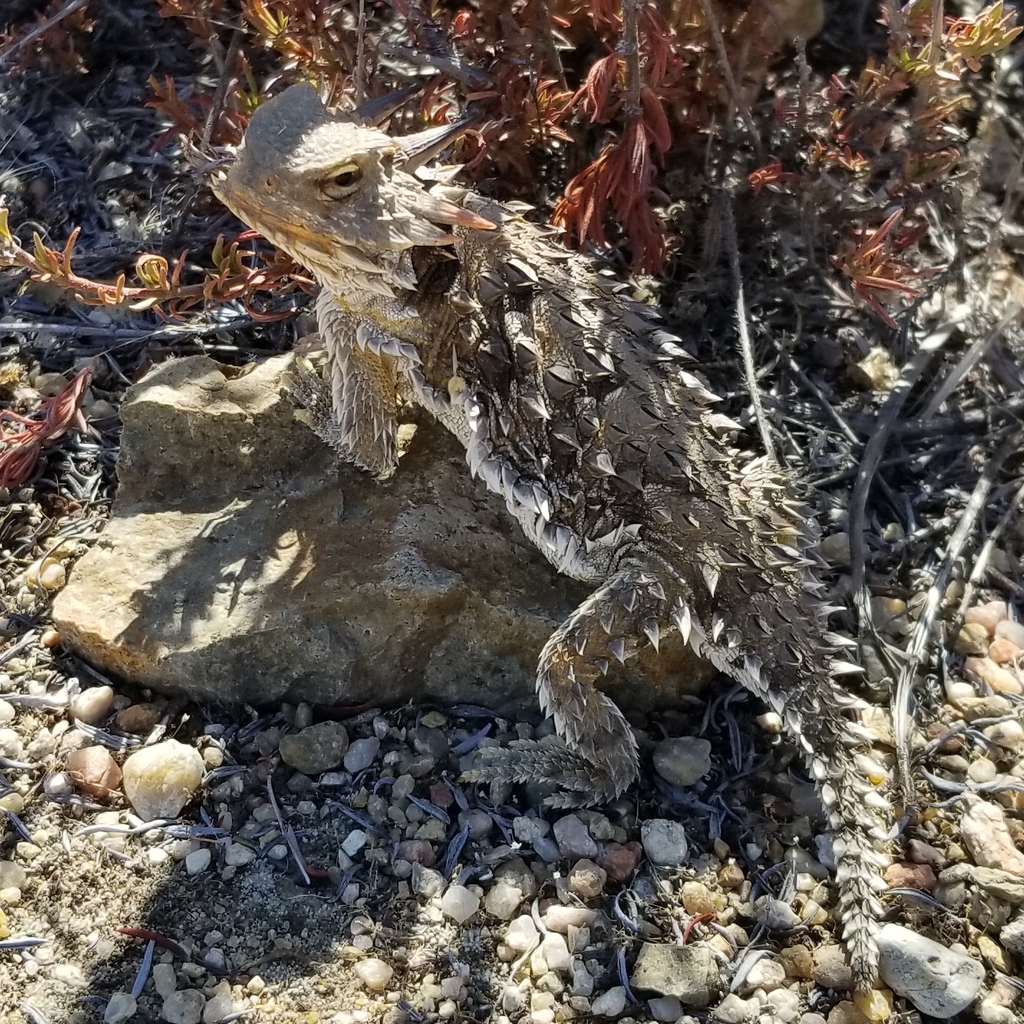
[[597, 757]]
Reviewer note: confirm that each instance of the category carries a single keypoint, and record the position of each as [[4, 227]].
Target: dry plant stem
[[728, 218], [805, 85], [872, 456], [730, 78], [226, 76], [550, 46], [468, 76], [630, 50], [968, 360], [937, 16], [359, 73], [31, 36], [980, 567], [901, 718]]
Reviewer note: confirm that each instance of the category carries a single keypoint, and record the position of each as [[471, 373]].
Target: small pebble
[[988, 615], [610, 1003], [198, 861], [981, 770], [121, 1007], [361, 754], [574, 839], [560, 918], [1003, 651], [1011, 631], [521, 933], [159, 780], [459, 903], [784, 1003], [664, 842], [587, 879], [766, 974], [555, 951], [316, 749], [94, 771], [1001, 679], [373, 973], [830, 968], [937, 980], [502, 900], [683, 760], [184, 1006], [985, 834], [619, 860], [776, 915], [910, 876], [665, 1008], [138, 719], [735, 1010], [92, 704]]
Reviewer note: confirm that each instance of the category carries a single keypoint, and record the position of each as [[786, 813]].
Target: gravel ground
[[312, 866]]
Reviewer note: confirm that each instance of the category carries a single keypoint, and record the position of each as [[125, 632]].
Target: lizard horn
[[425, 145]]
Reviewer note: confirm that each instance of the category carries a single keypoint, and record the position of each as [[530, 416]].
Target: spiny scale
[[579, 409]]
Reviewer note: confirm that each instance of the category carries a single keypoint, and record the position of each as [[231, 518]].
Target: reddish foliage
[[20, 449]]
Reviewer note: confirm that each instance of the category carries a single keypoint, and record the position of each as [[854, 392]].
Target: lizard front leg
[[355, 410], [597, 757]]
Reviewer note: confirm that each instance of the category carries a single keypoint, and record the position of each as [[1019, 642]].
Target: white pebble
[[354, 842], [121, 1007], [6, 712], [165, 981], [238, 855], [92, 705], [198, 861], [521, 934], [373, 973], [184, 1006], [459, 903], [159, 780], [555, 951]]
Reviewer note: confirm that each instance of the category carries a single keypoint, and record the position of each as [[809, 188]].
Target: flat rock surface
[[241, 564]]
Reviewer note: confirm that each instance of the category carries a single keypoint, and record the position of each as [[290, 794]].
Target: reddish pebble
[[910, 876], [138, 719], [989, 615], [441, 795], [1003, 651], [620, 861], [1002, 680], [95, 772], [416, 851]]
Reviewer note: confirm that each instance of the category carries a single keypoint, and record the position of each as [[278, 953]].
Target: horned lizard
[[579, 408]]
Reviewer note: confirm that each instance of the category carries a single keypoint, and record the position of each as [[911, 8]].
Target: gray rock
[[1012, 936], [664, 842], [830, 969], [317, 749], [682, 760], [776, 915], [241, 564], [936, 979], [361, 754], [690, 973], [574, 839]]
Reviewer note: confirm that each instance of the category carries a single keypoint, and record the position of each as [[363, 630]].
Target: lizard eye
[[343, 182]]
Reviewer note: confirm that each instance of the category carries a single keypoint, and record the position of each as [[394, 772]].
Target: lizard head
[[340, 196]]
